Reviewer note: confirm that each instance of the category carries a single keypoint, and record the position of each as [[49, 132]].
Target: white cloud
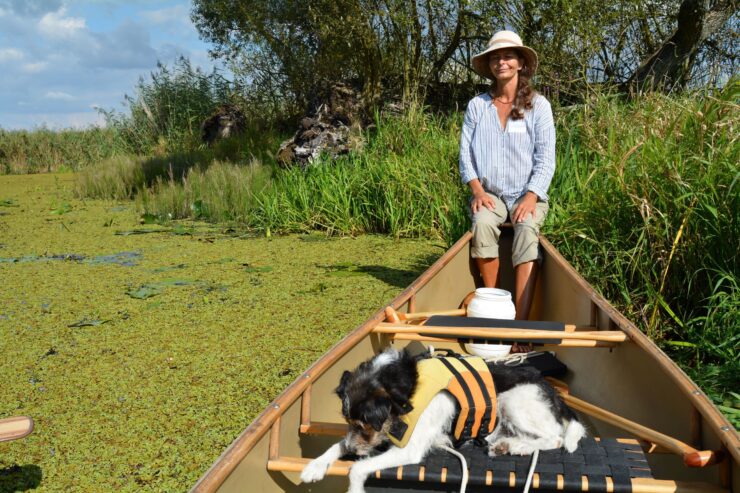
[[57, 25], [58, 56], [10, 55], [177, 13], [62, 96], [34, 67]]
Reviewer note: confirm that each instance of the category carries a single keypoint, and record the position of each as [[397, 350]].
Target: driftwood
[[227, 121], [331, 126]]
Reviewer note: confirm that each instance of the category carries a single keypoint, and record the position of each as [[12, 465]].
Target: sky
[[62, 59]]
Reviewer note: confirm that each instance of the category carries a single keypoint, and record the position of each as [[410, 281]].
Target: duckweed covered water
[[142, 356]]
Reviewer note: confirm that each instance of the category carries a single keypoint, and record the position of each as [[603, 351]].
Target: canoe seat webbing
[[596, 460]]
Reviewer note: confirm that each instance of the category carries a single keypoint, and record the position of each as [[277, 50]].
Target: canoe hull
[[635, 380]]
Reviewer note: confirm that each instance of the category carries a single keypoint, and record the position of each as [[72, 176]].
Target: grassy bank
[[645, 204]]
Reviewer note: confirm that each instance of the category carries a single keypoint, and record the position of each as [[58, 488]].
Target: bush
[[166, 111]]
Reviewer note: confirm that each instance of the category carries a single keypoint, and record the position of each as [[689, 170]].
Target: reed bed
[[647, 208], [43, 150]]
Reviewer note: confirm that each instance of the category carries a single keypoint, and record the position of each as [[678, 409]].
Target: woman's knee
[[486, 235], [526, 244]]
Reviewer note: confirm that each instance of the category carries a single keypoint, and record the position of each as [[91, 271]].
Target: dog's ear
[[401, 402], [399, 381], [377, 412], [341, 391]]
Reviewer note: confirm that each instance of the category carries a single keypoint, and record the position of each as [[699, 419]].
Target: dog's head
[[374, 395]]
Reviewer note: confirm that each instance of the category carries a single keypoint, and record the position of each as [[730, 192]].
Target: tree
[[293, 45], [670, 66], [285, 50]]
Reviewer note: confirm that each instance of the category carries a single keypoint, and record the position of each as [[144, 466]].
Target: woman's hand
[[481, 200], [526, 206]]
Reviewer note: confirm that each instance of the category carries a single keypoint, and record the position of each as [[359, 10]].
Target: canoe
[[651, 428]]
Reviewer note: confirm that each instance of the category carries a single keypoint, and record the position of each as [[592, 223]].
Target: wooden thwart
[[502, 333], [326, 429], [458, 312], [564, 343]]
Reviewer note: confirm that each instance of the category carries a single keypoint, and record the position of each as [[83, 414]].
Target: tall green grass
[[400, 184], [44, 150], [166, 110], [221, 192], [647, 206], [125, 175]]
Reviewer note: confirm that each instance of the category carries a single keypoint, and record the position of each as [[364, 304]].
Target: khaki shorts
[[486, 232]]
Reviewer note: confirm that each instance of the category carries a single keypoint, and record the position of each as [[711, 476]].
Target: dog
[[378, 394]]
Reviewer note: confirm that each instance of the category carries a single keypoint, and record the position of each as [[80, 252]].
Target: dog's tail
[[574, 431]]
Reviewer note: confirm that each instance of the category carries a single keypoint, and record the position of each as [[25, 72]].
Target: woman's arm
[[467, 170], [544, 149], [544, 161]]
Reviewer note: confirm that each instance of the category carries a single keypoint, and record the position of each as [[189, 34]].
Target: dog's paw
[[521, 448], [356, 480], [499, 447], [314, 471]]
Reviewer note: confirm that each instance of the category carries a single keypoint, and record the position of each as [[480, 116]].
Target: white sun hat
[[505, 39]]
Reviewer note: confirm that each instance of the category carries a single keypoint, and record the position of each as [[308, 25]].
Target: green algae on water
[[144, 394]]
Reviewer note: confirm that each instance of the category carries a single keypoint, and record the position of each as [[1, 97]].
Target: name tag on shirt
[[516, 127]]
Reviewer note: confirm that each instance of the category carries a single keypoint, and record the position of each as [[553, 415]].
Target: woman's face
[[505, 63]]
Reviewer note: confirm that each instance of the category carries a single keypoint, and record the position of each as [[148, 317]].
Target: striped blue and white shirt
[[512, 161]]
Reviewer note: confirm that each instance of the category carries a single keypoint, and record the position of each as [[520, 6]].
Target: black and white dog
[[530, 417]]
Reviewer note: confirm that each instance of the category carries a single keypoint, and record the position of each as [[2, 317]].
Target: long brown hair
[[524, 91]]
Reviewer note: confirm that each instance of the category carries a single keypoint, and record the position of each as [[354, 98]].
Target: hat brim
[[482, 68]]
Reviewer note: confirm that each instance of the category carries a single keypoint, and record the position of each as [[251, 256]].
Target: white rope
[[535, 456], [510, 359], [464, 464]]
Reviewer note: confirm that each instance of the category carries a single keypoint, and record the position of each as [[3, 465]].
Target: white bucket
[[491, 303]]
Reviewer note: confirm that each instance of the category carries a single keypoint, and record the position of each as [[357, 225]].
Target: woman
[[507, 157]]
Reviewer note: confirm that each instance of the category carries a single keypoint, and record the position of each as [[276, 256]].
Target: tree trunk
[[670, 65]]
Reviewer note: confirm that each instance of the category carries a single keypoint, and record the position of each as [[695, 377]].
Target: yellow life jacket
[[469, 380]]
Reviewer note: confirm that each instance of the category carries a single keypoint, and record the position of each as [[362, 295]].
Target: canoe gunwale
[[220, 470]]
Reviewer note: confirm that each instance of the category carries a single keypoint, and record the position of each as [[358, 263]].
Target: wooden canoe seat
[[447, 321], [598, 465]]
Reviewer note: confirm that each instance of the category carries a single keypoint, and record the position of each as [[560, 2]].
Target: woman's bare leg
[[525, 275], [488, 268]]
